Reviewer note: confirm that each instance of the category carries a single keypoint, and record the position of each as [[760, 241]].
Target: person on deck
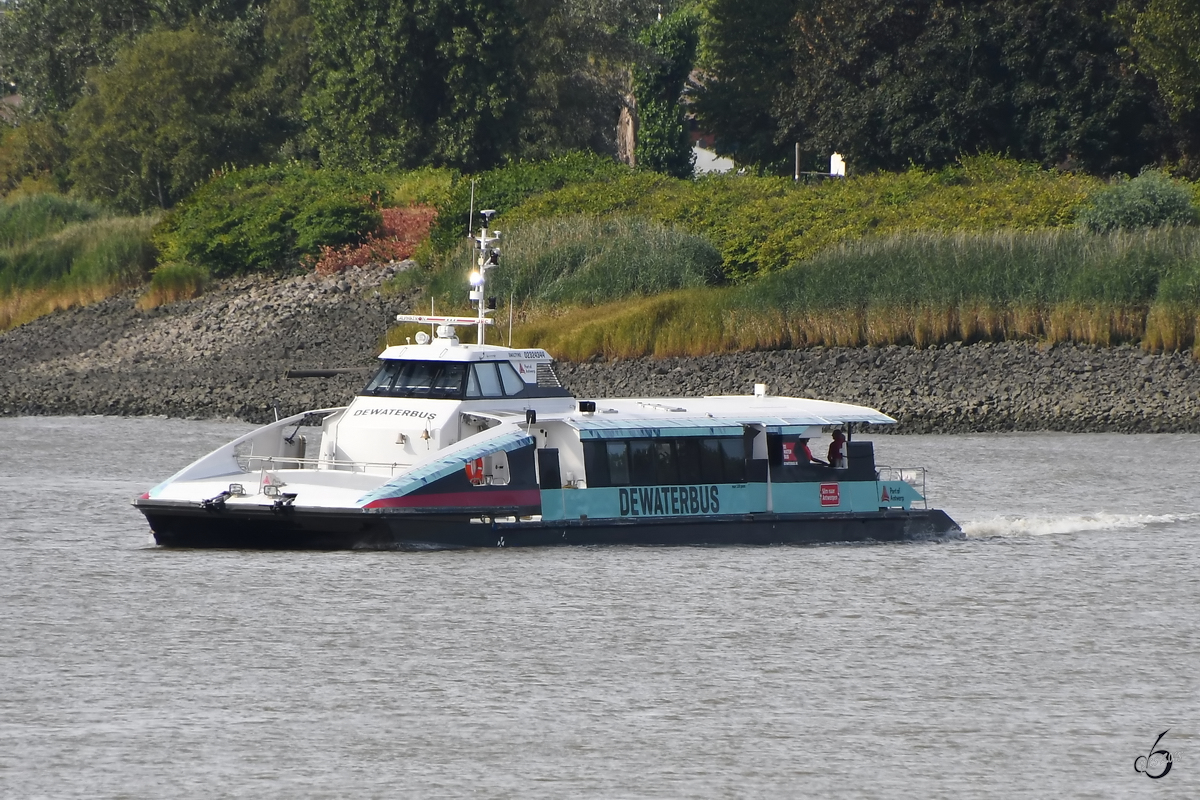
[[837, 450], [807, 456]]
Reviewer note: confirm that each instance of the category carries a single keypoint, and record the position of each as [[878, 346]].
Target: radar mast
[[488, 259]]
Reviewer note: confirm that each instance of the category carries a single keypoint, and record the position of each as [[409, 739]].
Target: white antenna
[[471, 213]]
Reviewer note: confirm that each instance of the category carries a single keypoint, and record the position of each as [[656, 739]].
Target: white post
[[487, 256]]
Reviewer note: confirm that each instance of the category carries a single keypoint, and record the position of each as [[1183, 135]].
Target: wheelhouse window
[[494, 379], [432, 379], [513, 385]]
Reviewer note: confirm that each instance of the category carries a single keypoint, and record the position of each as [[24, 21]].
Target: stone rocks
[[955, 389], [225, 355], [221, 355]]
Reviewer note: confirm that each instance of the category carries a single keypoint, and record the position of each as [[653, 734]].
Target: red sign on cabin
[[789, 453], [830, 494]]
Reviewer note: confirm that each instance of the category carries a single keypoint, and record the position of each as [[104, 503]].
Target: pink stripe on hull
[[473, 499]]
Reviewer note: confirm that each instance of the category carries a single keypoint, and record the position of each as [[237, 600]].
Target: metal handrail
[[909, 475], [293, 462]]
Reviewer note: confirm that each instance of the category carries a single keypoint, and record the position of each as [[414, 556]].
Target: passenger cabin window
[[687, 456], [618, 463], [642, 462], [662, 462], [734, 452], [432, 379]]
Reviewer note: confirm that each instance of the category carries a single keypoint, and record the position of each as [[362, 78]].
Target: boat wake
[[1012, 526]]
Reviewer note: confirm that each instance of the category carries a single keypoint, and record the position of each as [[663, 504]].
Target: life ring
[[475, 470]]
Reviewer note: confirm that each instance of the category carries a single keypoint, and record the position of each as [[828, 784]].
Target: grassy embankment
[[601, 260], [987, 251], [56, 253]]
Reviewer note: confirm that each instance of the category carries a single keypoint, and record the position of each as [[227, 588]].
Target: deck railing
[[252, 463], [913, 476]]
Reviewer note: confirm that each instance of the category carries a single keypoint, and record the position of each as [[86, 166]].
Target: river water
[[1037, 658]]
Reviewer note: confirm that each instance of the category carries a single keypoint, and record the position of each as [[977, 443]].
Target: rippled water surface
[[1038, 658]]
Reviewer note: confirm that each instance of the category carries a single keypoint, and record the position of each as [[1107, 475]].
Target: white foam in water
[[1080, 523]]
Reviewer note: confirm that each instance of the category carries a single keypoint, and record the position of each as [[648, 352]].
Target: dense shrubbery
[[1150, 200], [420, 187], [506, 187], [983, 250], [269, 218], [401, 233], [762, 225], [988, 249]]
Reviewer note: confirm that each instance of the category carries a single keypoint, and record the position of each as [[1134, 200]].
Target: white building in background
[[708, 161]]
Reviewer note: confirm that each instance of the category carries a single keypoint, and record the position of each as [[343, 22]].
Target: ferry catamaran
[[453, 444]]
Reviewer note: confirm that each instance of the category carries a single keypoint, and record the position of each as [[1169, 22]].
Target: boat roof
[[717, 415], [444, 349]]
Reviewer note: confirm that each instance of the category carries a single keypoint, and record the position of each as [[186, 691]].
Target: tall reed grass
[[921, 289], [79, 264], [36, 216], [585, 260]]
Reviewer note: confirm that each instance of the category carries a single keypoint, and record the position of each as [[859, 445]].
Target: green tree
[[33, 157], [1165, 43], [745, 65], [401, 84], [285, 74], [576, 67], [1166, 36], [48, 46], [663, 144], [893, 83], [887, 83], [174, 106]]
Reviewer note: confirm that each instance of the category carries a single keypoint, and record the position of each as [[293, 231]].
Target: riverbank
[[225, 354]]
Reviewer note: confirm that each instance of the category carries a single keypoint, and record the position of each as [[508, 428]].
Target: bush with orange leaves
[[397, 239]]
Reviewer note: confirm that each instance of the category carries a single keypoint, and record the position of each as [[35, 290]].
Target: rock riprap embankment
[[951, 389], [225, 355]]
